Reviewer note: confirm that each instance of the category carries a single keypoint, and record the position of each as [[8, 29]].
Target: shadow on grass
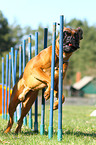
[[79, 133], [68, 132]]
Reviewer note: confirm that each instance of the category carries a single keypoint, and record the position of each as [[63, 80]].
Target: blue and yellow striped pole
[[6, 98], [13, 76], [3, 87], [16, 52], [9, 79], [20, 71]]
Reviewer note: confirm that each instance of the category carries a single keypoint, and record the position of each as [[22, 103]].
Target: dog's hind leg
[[55, 105], [26, 105], [12, 108], [14, 101]]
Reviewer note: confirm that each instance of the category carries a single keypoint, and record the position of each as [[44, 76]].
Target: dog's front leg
[[41, 76], [22, 95]]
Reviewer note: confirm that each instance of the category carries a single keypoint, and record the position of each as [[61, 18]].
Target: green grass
[[78, 128]]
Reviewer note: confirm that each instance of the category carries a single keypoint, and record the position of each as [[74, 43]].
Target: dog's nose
[[69, 39]]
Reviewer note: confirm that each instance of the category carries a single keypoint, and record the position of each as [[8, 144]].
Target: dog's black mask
[[71, 39]]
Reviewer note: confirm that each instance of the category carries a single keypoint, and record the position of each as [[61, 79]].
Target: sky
[[45, 12]]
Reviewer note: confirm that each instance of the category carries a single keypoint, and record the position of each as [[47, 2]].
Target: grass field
[[78, 128]]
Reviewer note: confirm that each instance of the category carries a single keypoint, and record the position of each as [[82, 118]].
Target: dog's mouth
[[68, 48]]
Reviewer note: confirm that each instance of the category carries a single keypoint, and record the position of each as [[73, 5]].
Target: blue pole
[[29, 46], [29, 57], [50, 133], [24, 64], [24, 55], [16, 52], [6, 98], [13, 76], [43, 100], [20, 71], [13, 71], [60, 80], [9, 80], [36, 101], [20, 60], [3, 87]]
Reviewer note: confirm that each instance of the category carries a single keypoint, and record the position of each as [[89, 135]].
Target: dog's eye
[[67, 33], [75, 34]]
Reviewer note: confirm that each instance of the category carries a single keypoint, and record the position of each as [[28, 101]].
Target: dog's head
[[71, 39]]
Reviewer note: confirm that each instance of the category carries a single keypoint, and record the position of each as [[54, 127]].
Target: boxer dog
[[37, 75]]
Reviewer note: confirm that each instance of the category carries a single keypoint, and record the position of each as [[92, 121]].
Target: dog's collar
[[64, 61]]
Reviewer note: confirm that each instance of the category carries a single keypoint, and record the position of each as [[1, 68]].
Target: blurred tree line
[[84, 60]]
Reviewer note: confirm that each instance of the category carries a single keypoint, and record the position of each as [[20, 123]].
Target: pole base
[[2, 115], [15, 117], [50, 132], [25, 121], [8, 117], [59, 134], [36, 126], [42, 129], [5, 117], [30, 123]]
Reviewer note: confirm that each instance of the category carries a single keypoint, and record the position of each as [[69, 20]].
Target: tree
[[9, 35], [5, 38], [16, 34]]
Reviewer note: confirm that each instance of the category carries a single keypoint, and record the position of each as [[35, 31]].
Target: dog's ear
[[80, 32]]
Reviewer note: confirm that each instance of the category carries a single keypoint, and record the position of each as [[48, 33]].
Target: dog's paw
[[55, 93], [55, 107], [46, 95], [21, 97]]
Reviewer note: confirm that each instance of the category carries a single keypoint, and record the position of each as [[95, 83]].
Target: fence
[[11, 66]]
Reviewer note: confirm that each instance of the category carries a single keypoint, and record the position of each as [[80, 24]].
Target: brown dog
[[37, 75]]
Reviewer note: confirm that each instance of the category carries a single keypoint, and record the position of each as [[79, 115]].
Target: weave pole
[[9, 80], [20, 72], [16, 52], [13, 76], [43, 100], [60, 79], [50, 131], [29, 57], [3, 87], [24, 64], [36, 101], [13, 70], [6, 97]]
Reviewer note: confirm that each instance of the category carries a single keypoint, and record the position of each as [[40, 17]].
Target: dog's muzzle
[[70, 44]]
